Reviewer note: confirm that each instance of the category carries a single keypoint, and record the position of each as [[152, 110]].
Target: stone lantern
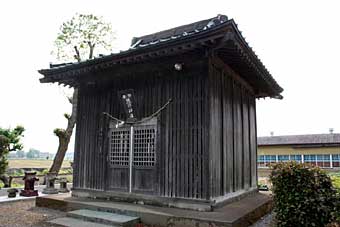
[[29, 178], [50, 184], [63, 185]]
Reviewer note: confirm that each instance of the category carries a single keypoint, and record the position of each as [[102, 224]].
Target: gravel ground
[[24, 214]]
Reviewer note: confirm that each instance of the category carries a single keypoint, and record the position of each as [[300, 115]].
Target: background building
[[322, 150]]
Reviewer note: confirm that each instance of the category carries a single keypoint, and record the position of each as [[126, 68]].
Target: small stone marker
[[29, 178], [63, 185], [50, 181], [12, 193]]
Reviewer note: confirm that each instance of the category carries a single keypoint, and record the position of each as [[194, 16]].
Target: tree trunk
[[64, 138], [77, 56], [91, 46]]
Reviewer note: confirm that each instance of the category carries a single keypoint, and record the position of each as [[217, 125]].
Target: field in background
[[16, 170], [27, 163]]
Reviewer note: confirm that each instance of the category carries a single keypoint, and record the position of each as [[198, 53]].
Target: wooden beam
[[219, 63]]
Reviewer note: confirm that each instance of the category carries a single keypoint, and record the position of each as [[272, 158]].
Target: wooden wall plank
[[225, 177], [184, 156], [253, 142], [198, 139], [178, 141], [172, 139], [187, 165], [205, 140], [246, 131], [191, 119], [238, 162], [229, 141], [181, 126]]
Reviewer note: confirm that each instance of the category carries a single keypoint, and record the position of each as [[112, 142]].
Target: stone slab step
[[72, 222], [104, 217]]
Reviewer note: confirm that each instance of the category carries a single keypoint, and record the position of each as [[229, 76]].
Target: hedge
[[303, 195]]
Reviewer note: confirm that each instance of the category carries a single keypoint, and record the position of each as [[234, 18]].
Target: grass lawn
[[26, 163]]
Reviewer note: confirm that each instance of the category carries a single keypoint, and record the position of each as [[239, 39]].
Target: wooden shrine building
[[170, 121]]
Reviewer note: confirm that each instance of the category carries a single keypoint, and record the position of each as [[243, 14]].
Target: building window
[[119, 147], [320, 160], [144, 146], [265, 160], [270, 159], [323, 160], [283, 158], [336, 160], [260, 161], [311, 159], [296, 158]]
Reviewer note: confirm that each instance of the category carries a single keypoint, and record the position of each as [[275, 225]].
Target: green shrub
[[69, 178], [303, 195], [335, 177], [66, 171], [18, 172]]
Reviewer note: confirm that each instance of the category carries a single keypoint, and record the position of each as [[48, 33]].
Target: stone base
[[12, 195], [243, 212], [50, 191], [63, 190], [184, 203], [29, 193]]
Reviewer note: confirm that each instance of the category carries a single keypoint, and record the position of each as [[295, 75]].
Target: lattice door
[[144, 146], [119, 147], [133, 170]]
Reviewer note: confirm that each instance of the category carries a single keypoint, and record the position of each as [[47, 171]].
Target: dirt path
[[24, 213]]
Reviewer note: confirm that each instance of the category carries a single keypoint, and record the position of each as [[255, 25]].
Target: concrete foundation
[[243, 212]]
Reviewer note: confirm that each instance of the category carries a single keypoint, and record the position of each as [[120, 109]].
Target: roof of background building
[[219, 33], [330, 138]]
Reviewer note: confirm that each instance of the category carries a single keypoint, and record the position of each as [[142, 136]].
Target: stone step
[[73, 222], [104, 217]]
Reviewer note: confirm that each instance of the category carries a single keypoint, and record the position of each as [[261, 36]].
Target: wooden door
[[118, 159], [133, 152], [144, 177]]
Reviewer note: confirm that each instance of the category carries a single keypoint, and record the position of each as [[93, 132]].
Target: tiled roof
[[218, 32], [178, 32], [162, 37], [310, 139]]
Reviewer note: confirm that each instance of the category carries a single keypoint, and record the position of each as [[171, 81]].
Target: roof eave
[[273, 91]]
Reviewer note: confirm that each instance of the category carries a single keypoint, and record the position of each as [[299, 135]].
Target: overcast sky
[[298, 42]]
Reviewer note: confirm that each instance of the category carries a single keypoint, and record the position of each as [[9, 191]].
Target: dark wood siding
[[232, 131], [206, 144], [182, 154]]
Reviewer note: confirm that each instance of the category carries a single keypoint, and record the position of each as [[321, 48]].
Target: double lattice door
[[132, 158]]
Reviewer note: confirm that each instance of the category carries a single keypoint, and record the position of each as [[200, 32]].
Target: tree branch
[[77, 56], [70, 100]]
